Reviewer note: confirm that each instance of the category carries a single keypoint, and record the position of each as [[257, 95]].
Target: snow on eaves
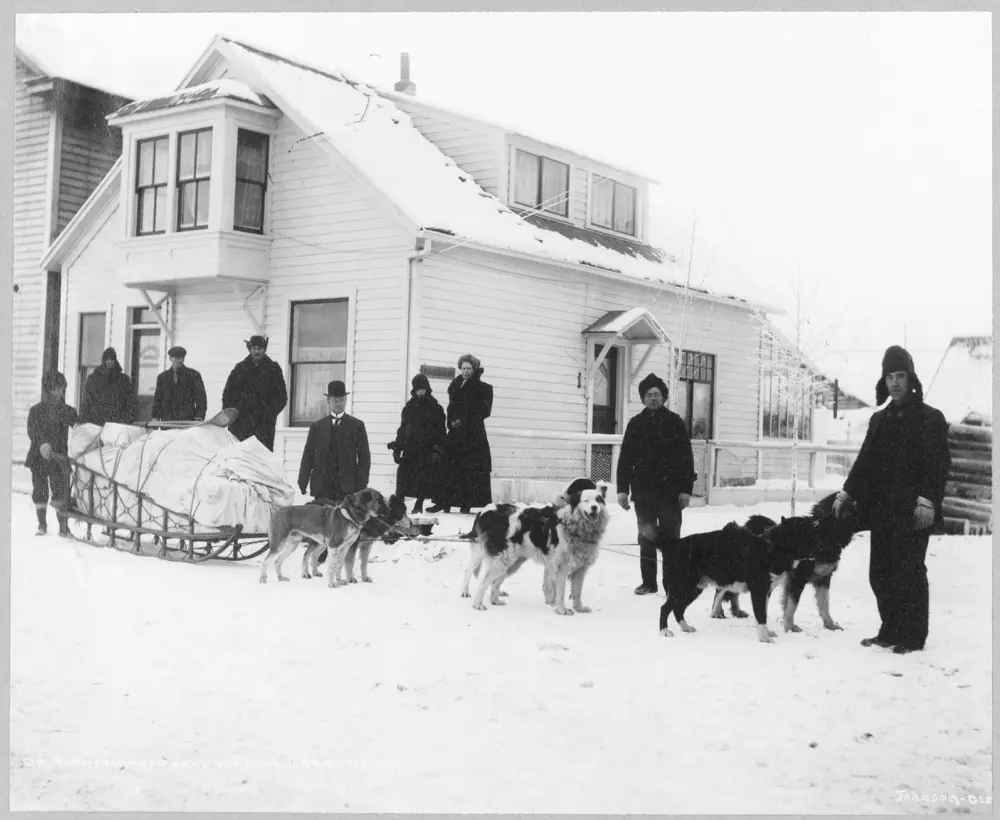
[[231, 89], [963, 382], [379, 139]]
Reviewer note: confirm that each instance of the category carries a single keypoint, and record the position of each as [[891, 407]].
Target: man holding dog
[[897, 483], [336, 459], [657, 465]]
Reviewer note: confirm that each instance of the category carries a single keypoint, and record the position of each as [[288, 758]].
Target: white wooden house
[[63, 148], [372, 236]]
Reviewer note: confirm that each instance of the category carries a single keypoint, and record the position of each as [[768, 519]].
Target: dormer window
[[251, 181], [541, 183], [613, 205], [194, 166], [151, 186]]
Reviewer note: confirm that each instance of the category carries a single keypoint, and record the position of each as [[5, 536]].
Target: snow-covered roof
[[427, 187], [57, 63], [214, 89], [636, 325], [963, 382]]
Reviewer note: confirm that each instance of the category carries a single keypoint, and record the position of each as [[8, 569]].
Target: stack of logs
[[968, 495]]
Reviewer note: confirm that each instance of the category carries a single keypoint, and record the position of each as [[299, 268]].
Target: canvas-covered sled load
[[202, 472]]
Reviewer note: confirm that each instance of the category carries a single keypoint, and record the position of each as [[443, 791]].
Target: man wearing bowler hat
[[336, 459], [180, 392], [256, 387]]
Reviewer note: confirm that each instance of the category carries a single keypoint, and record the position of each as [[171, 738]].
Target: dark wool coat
[[419, 448], [183, 400], [904, 455], [48, 421], [108, 397], [468, 449], [342, 453], [656, 456], [257, 390]]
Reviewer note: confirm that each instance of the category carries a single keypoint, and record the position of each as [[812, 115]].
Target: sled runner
[[124, 517]]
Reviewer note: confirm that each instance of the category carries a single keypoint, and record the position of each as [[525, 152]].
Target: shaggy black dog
[[735, 559]]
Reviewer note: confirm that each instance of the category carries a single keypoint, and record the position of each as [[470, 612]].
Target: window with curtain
[[194, 166], [317, 355], [151, 186], [251, 181], [542, 183], [612, 205]]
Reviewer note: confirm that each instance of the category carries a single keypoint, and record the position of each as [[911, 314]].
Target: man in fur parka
[[470, 402], [419, 445], [108, 395], [256, 387], [897, 483]]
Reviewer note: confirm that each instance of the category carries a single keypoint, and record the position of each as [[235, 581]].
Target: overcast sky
[[853, 151]]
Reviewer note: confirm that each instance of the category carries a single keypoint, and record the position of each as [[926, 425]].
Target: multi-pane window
[[782, 396], [542, 183], [194, 166], [613, 205], [696, 392], [251, 181], [151, 186], [317, 355]]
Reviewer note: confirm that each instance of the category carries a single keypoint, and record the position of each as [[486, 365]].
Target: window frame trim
[[689, 391], [137, 189], [195, 180], [535, 209], [592, 176], [263, 185], [329, 293]]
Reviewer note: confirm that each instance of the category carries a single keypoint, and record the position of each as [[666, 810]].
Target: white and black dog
[[564, 537]]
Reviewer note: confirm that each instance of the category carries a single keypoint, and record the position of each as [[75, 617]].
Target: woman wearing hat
[[419, 445], [897, 483], [256, 387], [469, 463], [180, 392], [336, 460]]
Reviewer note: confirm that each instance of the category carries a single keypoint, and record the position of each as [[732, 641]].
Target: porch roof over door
[[636, 325]]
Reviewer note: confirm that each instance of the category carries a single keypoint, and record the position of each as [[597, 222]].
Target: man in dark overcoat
[[108, 395], [180, 392], [897, 484], [419, 445], [256, 387], [336, 459], [656, 465]]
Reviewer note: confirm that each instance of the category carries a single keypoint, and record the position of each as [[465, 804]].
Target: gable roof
[[636, 325], [56, 65]]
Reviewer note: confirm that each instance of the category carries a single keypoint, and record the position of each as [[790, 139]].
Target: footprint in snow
[[553, 646]]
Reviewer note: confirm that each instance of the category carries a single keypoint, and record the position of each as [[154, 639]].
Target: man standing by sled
[[657, 465], [256, 387], [898, 483]]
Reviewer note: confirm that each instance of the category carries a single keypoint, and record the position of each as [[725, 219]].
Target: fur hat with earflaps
[[256, 341], [420, 382], [651, 381], [897, 359]]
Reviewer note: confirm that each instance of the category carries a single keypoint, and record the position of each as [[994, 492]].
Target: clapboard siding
[[32, 122], [475, 151], [86, 158], [524, 320], [578, 192], [331, 238]]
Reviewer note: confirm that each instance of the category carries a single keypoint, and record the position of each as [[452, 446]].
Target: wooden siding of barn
[[32, 126], [331, 238], [524, 321], [477, 151]]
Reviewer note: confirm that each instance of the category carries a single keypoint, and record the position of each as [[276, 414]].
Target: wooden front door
[[145, 368]]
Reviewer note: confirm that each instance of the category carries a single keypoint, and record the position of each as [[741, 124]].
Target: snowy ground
[[138, 684]]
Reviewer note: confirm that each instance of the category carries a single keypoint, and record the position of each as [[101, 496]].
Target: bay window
[[151, 186], [251, 181], [194, 166]]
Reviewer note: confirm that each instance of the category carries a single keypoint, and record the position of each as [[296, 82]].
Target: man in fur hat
[[108, 394], [657, 465], [336, 460], [256, 387], [180, 392], [897, 483]]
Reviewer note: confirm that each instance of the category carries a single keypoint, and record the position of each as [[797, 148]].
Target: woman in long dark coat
[[419, 447], [470, 402]]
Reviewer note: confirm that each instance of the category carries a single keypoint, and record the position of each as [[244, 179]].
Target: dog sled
[[109, 505]]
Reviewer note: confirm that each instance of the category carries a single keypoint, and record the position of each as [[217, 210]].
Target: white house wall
[[32, 125], [524, 321], [331, 239]]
